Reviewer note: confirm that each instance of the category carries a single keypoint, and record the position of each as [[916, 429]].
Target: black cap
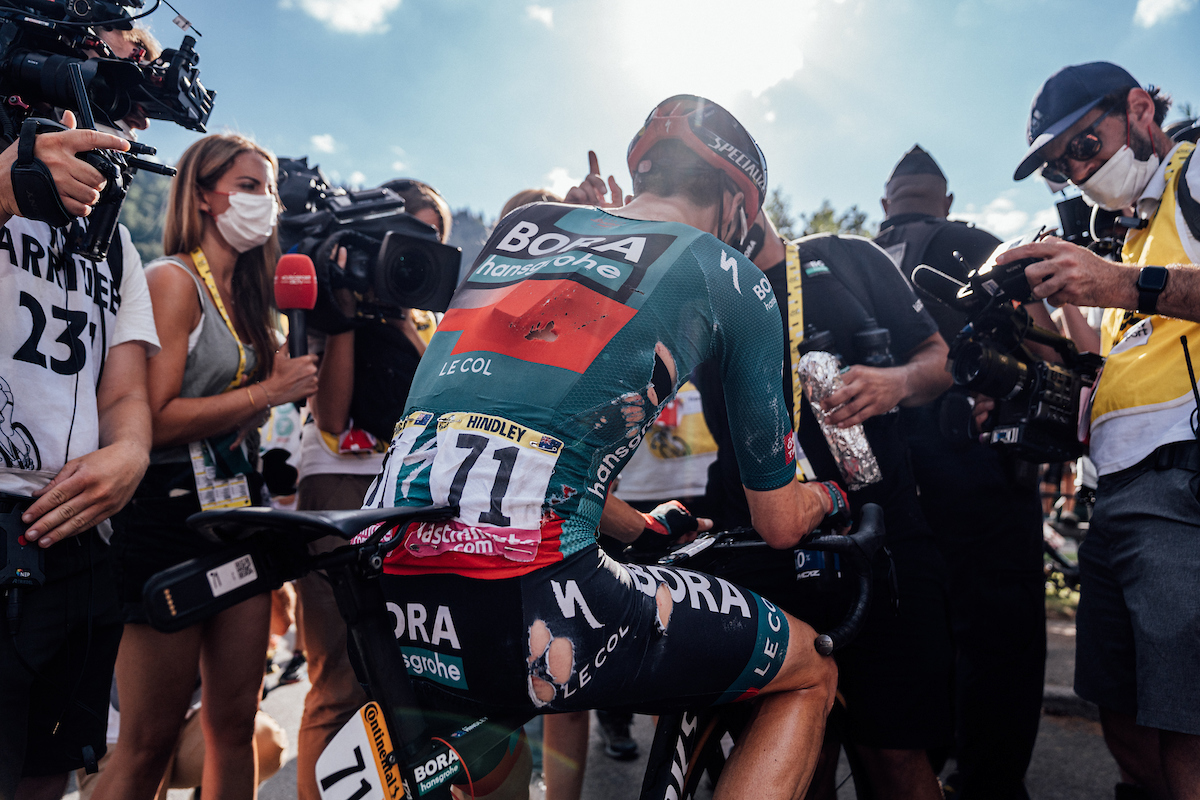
[[1063, 99], [916, 162]]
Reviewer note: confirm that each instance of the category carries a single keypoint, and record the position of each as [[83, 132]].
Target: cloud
[[1151, 12], [541, 14], [559, 181], [323, 143], [1002, 218], [356, 178], [399, 166], [347, 16]]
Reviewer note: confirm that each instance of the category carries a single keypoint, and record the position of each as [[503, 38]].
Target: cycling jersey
[[572, 332]]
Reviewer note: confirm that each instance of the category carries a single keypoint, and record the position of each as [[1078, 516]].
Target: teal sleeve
[[748, 347]]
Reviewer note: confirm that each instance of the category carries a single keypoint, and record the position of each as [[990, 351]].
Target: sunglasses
[[1082, 147]]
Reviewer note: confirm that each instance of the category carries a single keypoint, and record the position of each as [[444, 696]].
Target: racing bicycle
[[401, 744]]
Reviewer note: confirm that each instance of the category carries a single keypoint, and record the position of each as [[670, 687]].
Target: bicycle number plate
[[354, 764]]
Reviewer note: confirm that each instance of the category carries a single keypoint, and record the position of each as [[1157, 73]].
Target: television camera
[[1037, 401], [53, 55], [393, 260]]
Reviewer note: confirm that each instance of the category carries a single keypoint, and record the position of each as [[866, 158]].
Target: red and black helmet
[[713, 134]]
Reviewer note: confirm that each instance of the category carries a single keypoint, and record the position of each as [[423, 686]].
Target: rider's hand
[[78, 183], [670, 523], [591, 192], [291, 379], [85, 492]]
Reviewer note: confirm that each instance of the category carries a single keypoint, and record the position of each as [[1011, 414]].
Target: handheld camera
[[393, 260], [1037, 401]]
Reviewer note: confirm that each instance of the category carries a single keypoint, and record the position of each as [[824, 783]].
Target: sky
[[483, 98]]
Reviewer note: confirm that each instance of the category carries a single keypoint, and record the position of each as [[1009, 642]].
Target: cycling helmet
[[713, 134]]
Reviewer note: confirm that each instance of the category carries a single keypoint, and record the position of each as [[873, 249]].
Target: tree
[[779, 211], [469, 231], [826, 220], [145, 211]]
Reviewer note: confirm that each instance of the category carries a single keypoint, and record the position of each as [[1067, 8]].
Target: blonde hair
[[200, 167], [527, 196]]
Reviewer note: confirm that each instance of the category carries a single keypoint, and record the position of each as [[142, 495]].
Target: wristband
[[839, 514]]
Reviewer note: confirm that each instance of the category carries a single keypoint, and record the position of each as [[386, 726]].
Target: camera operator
[[364, 375], [984, 509], [1138, 646], [896, 675], [76, 405]]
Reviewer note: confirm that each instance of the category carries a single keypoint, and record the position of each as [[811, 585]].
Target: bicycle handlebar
[[859, 548]]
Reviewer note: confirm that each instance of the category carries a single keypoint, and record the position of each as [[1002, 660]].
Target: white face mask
[[1120, 181], [249, 220]]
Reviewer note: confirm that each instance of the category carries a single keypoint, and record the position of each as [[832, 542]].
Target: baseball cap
[[1063, 99]]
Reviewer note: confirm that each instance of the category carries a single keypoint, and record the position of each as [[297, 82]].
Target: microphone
[[941, 286], [295, 293]]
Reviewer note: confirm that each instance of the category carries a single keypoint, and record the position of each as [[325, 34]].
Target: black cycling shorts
[[56, 673], [588, 633]]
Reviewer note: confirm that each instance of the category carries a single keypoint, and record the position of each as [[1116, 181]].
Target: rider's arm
[[620, 520], [626, 524], [785, 515], [93, 487]]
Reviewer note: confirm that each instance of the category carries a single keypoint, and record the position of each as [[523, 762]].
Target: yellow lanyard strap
[[795, 324], [205, 273]]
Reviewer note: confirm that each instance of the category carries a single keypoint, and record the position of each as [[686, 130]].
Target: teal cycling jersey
[[572, 331]]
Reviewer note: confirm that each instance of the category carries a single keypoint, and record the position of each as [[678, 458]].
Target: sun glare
[[712, 48]]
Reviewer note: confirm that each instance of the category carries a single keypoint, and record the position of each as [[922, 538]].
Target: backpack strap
[[1189, 207]]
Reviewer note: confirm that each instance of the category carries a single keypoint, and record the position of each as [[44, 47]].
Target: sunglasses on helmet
[[1082, 147]]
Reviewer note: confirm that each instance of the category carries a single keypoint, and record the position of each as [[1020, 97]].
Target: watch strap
[[1150, 283]]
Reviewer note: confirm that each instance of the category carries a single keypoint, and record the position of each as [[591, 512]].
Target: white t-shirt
[[60, 317]]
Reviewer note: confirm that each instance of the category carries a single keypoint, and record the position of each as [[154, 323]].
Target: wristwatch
[[1150, 283]]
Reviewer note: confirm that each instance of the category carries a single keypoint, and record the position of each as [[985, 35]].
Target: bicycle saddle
[[240, 523]]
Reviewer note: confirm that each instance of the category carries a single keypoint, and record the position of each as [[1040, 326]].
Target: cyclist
[[574, 328]]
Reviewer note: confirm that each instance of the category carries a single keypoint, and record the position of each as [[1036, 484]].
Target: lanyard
[[795, 325], [202, 267]]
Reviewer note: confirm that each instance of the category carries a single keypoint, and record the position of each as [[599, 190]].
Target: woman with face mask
[[218, 375]]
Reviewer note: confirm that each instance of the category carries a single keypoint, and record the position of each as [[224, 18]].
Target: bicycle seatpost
[[359, 595]]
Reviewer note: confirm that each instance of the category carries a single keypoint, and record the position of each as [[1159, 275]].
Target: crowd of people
[[644, 382]]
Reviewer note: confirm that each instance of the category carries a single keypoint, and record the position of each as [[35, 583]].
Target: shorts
[[57, 671], [588, 633], [1138, 648], [151, 534]]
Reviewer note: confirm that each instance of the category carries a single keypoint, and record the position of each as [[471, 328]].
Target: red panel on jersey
[[560, 323]]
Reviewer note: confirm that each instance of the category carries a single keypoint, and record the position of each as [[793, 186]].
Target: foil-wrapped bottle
[[821, 377]]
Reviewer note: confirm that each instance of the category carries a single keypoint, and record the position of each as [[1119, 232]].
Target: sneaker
[[614, 728], [291, 672]]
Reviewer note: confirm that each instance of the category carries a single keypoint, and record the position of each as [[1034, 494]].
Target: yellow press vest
[[1145, 382]]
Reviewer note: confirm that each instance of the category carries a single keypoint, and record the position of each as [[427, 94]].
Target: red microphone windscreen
[[295, 282]]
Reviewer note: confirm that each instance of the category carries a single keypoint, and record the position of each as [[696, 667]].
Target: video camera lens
[[405, 269], [990, 372]]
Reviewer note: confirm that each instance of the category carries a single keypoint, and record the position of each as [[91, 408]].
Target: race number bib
[[355, 763], [495, 470]]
